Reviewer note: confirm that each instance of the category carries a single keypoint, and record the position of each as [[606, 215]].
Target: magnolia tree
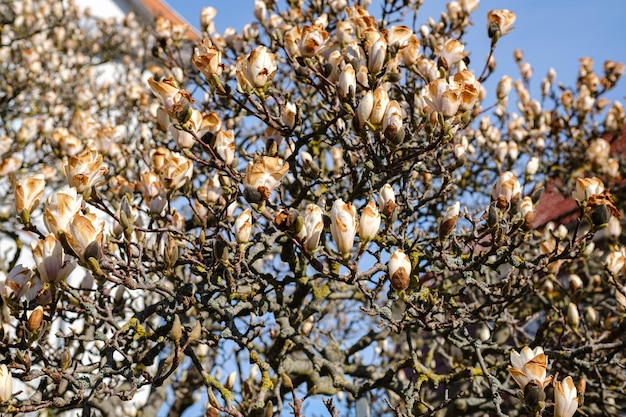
[[322, 213]]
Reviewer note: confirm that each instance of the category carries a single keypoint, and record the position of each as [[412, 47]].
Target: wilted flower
[[500, 22], [369, 223], [60, 208], [208, 59], [597, 201], [565, 398], [256, 69], [243, 226], [263, 176], [51, 261], [343, 226], [85, 170], [6, 384], [529, 366], [399, 268], [85, 236], [28, 194]]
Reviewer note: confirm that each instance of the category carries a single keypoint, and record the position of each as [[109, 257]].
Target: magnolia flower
[[21, 281], [288, 114], [364, 109], [51, 261], [449, 220], [314, 225], [381, 99], [173, 168], [225, 145], [587, 188], [153, 192], [256, 69], [442, 98], [616, 261], [399, 268], [506, 190], [28, 194], [527, 211], [377, 54], [529, 366], [184, 133], [85, 170], [392, 123], [499, 22], [172, 97], [451, 52], [85, 236], [208, 59], [504, 87], [369, 223], [263, 176], [60, 208], [411, 52], [343, 226], [565, 398], [347, 82], [6, 384], [387, 200], [243, 226], [312, 40], [532, 166]]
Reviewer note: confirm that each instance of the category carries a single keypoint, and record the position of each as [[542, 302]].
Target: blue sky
[[554, 33]]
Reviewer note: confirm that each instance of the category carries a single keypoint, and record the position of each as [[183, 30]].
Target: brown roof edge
[[151, 9]]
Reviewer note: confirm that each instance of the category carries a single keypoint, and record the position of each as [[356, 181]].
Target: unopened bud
[[35, 319], [176, 331], [573, 318]]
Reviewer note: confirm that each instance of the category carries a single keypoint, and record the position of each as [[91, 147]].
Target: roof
[[556, 207], [151, 9]]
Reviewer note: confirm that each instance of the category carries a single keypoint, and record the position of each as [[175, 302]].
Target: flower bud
[[369, 223], [347, 82], [343, 226], [6, 384], [448, 222], [243, 227], [399, 268], [387, 200], [528, 213], [34, 319], [176, 332], [28, 194], [364, 109], [573, 317], [314, 225]]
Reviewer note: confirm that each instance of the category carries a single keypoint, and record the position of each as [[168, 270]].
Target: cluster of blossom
[[529, 369]]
